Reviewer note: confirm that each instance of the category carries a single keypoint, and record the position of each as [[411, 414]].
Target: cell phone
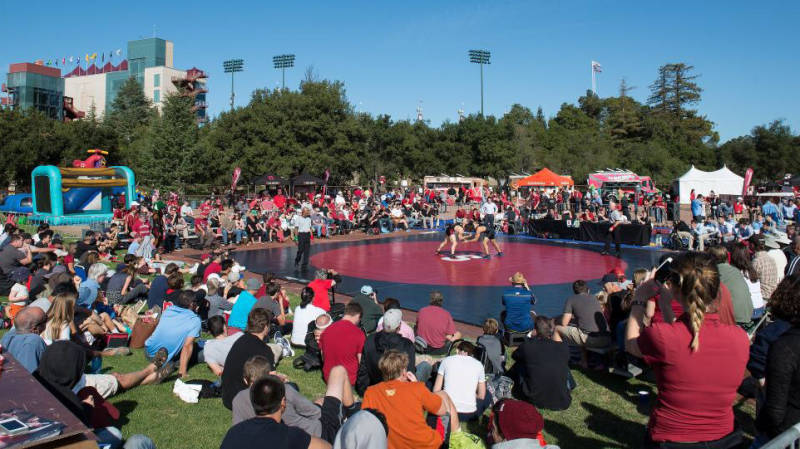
[[663, 270], [12, 426]]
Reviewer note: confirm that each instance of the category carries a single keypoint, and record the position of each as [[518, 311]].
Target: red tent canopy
[[545, 178]]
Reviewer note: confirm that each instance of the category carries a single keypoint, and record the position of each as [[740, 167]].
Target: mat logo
[[462, 257]]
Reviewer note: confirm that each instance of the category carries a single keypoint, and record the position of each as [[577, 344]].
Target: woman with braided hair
[[699, 362]]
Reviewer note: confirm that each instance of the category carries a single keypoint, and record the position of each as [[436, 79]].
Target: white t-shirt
[[780, 261], [755, 293], [302, 317], [462, 374], [186, 210], [63, 335], [20, 292]]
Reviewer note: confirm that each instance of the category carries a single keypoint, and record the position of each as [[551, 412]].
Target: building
[[95, 87], [150, 61]]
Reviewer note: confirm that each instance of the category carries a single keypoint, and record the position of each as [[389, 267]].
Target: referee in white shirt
[[614, 231], [303, 223], [488, 210]]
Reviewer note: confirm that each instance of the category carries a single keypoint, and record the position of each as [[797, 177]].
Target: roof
[[306, 180], [34, 68], [545, 177]]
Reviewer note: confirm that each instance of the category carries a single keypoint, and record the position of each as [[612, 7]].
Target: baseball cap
[[392, 319], [205, 256], [518, 419], [367, 290], [518, 278], [134, 203], [253, 284]]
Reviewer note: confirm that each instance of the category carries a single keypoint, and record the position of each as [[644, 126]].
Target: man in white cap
[[377, 344]]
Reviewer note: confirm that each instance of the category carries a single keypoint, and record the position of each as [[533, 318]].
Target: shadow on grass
[[613, 426], [125, 407], [624, 388]]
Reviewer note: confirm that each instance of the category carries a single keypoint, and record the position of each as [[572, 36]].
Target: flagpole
[[594, 87]]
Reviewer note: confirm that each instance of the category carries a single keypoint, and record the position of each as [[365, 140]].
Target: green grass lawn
[[603, 413]]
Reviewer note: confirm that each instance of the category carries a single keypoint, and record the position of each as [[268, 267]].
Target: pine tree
[[675, 90], [130, 112]]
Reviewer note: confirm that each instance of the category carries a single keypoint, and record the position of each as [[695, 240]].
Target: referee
[[303, 223]]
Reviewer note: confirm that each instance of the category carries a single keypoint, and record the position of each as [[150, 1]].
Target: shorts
[[13, 310], [105, 384], [331, 418], [577, 337]]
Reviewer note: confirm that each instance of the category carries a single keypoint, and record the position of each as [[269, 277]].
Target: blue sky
[[391, 55]]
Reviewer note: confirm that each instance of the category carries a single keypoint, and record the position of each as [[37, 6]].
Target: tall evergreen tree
[[130, 112]]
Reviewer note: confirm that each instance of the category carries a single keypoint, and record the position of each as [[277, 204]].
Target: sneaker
[[164, 372], [486, 256], [160, 358], [500, 254], [286, 348]]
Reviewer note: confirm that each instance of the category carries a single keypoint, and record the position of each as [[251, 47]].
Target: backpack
[[464, 440], [500, 388]]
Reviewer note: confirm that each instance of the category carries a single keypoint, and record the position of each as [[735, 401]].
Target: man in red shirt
[[436, 326], [321, 286], [141, 229], [342, 342], [214, 267]]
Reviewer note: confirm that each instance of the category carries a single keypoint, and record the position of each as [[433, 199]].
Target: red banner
[[237, 173], [748, 177]]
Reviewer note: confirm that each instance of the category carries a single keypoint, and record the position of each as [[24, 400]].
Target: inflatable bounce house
[[80, 194]]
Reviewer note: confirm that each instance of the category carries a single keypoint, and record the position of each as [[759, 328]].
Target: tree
[[130, 112], [172, 156], [675, 90]]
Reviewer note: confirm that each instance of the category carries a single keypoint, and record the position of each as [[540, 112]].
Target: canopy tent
[[545, 178], [792, 181], [722, 182], [307, 180], [269, 180]]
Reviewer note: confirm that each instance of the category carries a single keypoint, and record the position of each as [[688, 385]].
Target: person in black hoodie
[[781, 409], [376, 344]]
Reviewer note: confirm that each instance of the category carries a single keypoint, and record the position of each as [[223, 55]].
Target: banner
[[237, 173], [748, 177]]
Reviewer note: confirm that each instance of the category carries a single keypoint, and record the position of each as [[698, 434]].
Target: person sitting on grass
[[404, 401], [518, 302], [177, 331], [516, 424], [590, 329], [367, 298], [248, 345], [304, 316], [342, 343], [462, 376], [244, 304], [318, 420], [217, 305], [541, 368], [435, 326], [216, 351], [268, 396], [366, 429], [377, 344], [405, 330], [493, 344]]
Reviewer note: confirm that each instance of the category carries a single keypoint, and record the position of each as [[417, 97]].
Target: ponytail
[[699, 285]]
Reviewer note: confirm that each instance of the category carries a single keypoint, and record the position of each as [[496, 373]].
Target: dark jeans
[[482, 405], [733, 439], [615, 234], [303, 248]]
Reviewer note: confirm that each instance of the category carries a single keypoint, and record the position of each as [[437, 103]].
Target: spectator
[[87, 244], [268, 396], [698, 361], [776, 254], [318, 421], [216, 303], [342, 343], [518, 302], [781, 409], [541, 368], [214, 267], [272, 301], [377, 344], [60, 317], [87, 293], [244, 304], [740, 259], [591, 328], [248, 345], [177, 331], [304, 315], [216, 351], [158, 286], [793, 265], [517, 425], [733, 279], [765, 268], [124, 286], [372, 311], [23, 342], [322, 284], [435, 326], [405, 331], [463, 378], [19, 295], [493, 344], [365, 430], [404, 401]]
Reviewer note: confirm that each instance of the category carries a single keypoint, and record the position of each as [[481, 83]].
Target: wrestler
[[485, 235], [452, 234]]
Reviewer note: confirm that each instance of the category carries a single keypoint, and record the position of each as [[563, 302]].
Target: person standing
[[303, 223], [614, 230]]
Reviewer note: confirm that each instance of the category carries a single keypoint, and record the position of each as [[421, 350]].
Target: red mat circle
[[416, 263]]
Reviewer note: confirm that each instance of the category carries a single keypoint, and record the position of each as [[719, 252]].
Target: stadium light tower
[[283, 62], [232, 66], [480, 57]]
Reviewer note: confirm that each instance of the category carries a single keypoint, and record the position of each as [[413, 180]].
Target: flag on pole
[[94, 55], [87, 58], [596, 67], [748, 178], [71, 58], [63, 61], [103, 57], [119, 51]]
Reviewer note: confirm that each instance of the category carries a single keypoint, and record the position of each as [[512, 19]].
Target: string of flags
[[88, 57]]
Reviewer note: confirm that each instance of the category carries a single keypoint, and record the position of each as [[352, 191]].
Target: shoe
[[500, 254], [286, 348], [164, 372], [618, 254], [160, 358], [604, 253], [486, 256]]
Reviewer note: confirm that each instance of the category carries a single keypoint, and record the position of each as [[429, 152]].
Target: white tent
[[722, 182]]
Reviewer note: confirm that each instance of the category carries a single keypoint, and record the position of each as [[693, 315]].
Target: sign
[[237, 173], [748, 177]]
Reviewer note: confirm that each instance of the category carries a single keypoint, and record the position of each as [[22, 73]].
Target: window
[[156, 96], [157, 80]]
